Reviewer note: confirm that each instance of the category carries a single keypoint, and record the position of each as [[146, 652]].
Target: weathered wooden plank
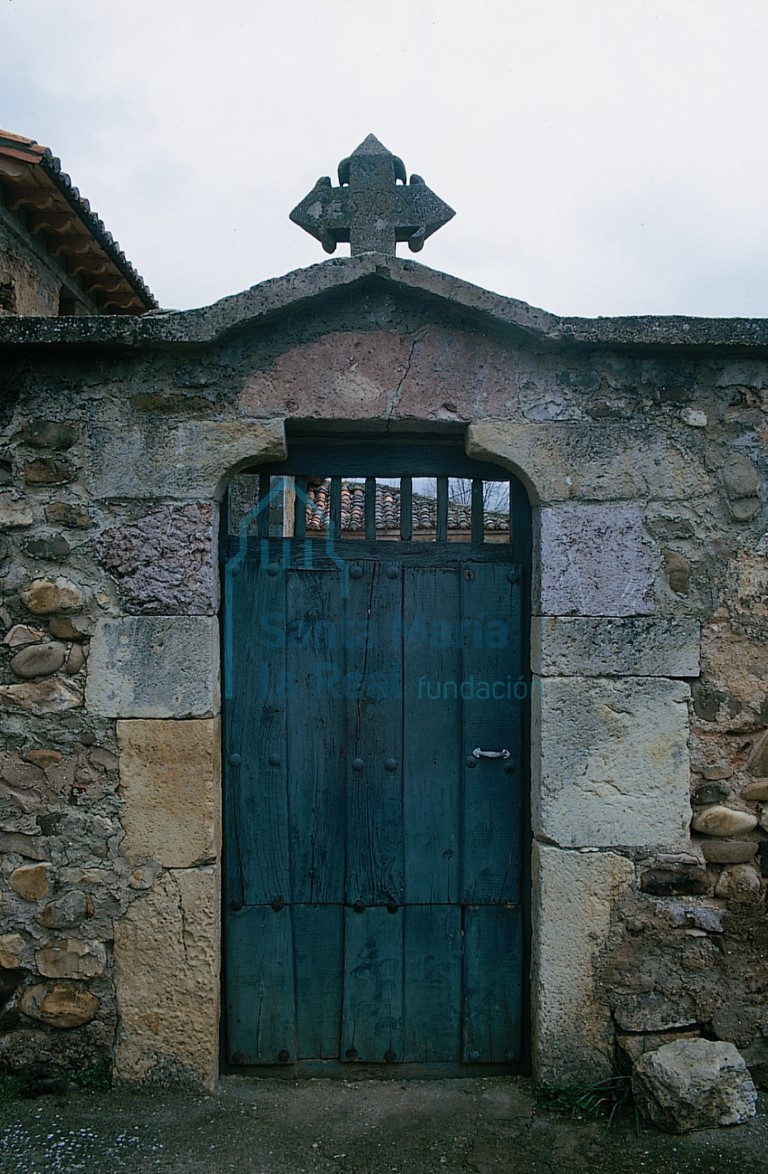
[[478, 511], [373, 986], [319, 962], [492, 984], [380, 458], [370, 508], [300, 508], [432, 736], [315, 726], [442, 510], [492, 668], [406, 508], [257, 839], [432, 984], [372, 687], [259, 987]]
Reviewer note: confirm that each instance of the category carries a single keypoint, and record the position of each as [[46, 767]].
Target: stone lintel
[[154, 667], [613, 766], [610, 646], [573, 897]]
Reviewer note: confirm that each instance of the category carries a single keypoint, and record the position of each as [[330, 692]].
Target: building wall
[[647, 475], [31, 282]]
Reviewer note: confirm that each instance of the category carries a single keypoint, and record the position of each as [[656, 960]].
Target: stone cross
[[370, 209]]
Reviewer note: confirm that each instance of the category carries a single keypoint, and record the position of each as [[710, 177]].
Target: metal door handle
[[478, 753]]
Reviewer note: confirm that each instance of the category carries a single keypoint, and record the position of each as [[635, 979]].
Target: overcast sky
[[603, 156]]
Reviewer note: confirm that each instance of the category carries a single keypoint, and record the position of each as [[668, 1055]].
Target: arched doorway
[[376, 611]]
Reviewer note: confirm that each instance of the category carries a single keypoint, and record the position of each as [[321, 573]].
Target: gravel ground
[[287, 1127]]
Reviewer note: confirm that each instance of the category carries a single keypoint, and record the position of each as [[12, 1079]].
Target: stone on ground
[[694, 1084]]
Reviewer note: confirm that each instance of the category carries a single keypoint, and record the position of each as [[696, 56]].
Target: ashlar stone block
[[167, 981], [613, 763], [574, 894], [170, 783], [596, 560], [186, 461], [608, 646], [154, 667]]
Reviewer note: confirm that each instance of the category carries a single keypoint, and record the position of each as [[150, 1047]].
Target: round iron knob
[[351, 1053], [356, 572], [470, 760], [235, 760], [274, 760], [390, 764], [357, 764]]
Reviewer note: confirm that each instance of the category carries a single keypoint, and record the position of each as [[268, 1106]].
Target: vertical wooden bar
[[373, 985], [372, 692], [370, 508], [432, 750], [315, 736], [335, 521], [442, 509], [406, 508], [260, 987], [478, 506], [520, 515], [318, 942], [493, 943], [265, 484], [257, 847], [300, 508], [492, 720], [432, 984]]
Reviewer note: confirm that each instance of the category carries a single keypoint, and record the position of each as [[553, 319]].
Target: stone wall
[[30, 279], [646, 466]]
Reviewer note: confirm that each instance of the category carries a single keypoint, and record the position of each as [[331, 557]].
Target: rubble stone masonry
[[642, 443]]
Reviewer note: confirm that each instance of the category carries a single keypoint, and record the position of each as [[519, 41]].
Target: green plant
[[97, 1078], [10, 1089], [604, 1098]]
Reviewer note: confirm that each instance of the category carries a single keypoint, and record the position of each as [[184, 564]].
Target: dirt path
[[286, 1127]]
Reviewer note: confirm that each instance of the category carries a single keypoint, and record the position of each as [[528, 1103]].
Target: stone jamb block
[[154, 667], [170, 783], [167, 979], [609, 646], [613, 767], [574, 894], [595, 560]]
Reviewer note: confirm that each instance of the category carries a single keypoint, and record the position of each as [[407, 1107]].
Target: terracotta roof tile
[[24, 186], [388, 510]]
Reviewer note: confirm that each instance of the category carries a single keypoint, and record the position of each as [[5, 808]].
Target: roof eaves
[[51, 165]]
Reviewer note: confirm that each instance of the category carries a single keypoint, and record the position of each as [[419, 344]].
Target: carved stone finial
[[370, 209]]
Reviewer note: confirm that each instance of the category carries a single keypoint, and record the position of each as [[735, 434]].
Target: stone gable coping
[[210, 324]]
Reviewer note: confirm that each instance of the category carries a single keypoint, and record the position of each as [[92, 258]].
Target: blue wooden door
[[373, 888]]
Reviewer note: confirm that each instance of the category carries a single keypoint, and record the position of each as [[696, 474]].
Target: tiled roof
[[34, 184], [388, 510]]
